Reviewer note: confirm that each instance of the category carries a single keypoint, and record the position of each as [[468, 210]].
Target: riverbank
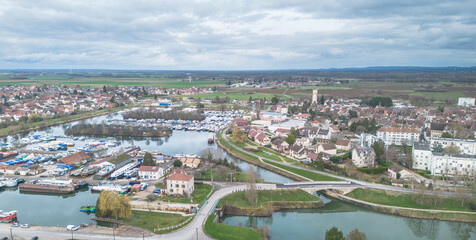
[[268, 201], [433, 214], [57, 121], [247, 158], [221, 231]]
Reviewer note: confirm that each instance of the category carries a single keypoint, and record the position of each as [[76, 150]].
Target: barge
[[49, 186]]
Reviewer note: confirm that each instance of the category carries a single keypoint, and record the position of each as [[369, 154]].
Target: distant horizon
[[241, 70]]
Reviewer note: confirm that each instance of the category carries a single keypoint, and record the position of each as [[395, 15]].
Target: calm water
[[52, 210], [312, 224], [48, 209]]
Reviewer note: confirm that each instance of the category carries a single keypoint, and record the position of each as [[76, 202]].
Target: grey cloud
[[236, 34]]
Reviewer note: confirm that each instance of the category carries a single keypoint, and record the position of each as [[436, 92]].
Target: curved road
[[190, 232], [193, 230]]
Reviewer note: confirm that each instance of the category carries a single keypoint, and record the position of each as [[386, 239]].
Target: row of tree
[[167, 115], [116, 130]]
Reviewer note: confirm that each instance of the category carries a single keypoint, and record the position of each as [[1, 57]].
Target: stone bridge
[[340, 186]]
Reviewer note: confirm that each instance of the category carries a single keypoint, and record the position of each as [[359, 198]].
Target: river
[[312, 224], [53, 210]]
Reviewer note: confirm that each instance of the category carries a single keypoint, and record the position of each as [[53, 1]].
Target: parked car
[[34, 238], [15, 224], [4, 238], [72, 227], [26, 225]]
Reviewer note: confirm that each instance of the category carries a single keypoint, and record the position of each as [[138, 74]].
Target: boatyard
[[68, 172]]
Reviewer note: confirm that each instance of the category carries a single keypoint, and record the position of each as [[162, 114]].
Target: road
[[194, 230], [190, 232]]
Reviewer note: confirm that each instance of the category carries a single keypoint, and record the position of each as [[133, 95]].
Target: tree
[[177, 163], [322, 100], [334, 234], [148, 160], [251, 192], [437, 147], [353, 114], [295, 132], [239, 136], [446, 135], [274, 100], [104, 89], [452, 150], [356, 235], [110, 204], [379, 148], [290, 139]]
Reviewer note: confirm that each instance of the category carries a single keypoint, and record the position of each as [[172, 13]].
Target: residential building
[[395, 170], [150, 172], [363, 157], [342, 144], [279, 145], [328, 148], [466, 102], [439, 163], [190, 162], [398, 136], [466, 146], [436, 129], [367, 140], [180, 183]]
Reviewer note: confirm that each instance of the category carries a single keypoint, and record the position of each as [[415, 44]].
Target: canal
[[53, 210], [312, 224]]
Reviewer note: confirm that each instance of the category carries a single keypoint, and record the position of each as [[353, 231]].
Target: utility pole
[[231, 176], [72, 237], [211, 171], [113, 233], [11, 234], [196, 230]]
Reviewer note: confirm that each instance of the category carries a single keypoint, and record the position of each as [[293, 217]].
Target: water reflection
[[460, 231], [423, 228]]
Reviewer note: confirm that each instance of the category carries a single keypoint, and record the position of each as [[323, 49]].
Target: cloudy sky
[[236, 35]]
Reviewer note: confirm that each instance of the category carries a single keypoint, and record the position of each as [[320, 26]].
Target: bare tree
[[251, 192]]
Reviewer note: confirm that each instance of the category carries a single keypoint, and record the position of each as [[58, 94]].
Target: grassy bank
[[55, 121], [151, 220], [227, 232], [199, 195], [239, 199], [397, 199], [311, 175], [219, 175]]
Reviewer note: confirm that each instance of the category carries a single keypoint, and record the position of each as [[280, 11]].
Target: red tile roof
[[178, 176], [148, 169]]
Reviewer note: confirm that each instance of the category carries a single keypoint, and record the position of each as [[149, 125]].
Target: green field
[[199, 195], [311, 175], [151, 220], [406, 200], [239, 199], [101, 81], [226, 232]]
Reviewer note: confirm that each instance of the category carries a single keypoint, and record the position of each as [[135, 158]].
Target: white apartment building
[[466, 101], [398, 136], [466, 146], [422, 157], [367, 140], [442, 163]]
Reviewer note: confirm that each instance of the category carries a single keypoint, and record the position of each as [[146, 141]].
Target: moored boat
[[49, 186], [8, 216]]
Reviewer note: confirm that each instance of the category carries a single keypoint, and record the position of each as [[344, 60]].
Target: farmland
[[101, 81]]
